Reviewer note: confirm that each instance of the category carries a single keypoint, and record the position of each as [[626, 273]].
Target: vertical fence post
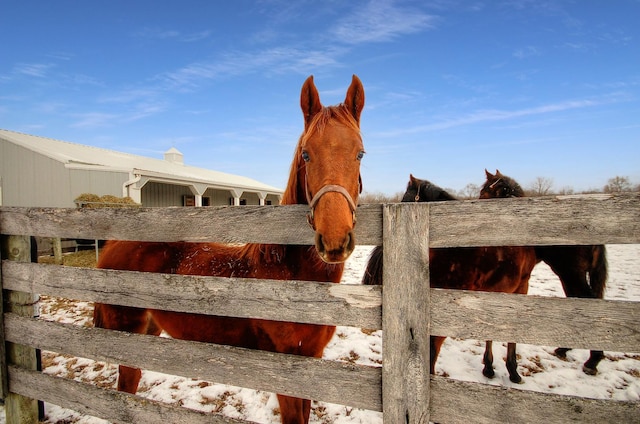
[[18, 409], [405, 313], [57, 250]]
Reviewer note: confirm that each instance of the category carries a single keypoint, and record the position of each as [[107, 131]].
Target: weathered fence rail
[[402, 388]]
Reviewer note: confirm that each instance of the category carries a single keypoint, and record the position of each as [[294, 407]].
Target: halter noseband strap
[[324, 190]]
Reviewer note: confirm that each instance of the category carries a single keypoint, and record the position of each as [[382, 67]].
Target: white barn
[[43, 172]]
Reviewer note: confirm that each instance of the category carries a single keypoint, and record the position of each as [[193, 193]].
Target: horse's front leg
[[591, 366], [132, 320], [487, 360], [435, 343], [512, 363], [294, 410]]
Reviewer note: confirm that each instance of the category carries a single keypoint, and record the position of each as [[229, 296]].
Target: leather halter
[[494, 183], [417, 198], [507, 188], [324, 190]]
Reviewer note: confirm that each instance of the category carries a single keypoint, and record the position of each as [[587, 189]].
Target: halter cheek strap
[[494, 183]]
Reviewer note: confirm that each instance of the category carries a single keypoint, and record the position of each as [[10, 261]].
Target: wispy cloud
[[494, 115], [169, 34], [526, 52], [381, 20], [376, 21], [274, 60], [109, 119], [38, 70], [93, 120], [144, 110]]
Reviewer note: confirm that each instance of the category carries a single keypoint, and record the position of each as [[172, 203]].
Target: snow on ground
[[618, 377]]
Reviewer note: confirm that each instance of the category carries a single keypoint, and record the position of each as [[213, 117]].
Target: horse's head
[[424, 191], [500, 186], [327, 169]]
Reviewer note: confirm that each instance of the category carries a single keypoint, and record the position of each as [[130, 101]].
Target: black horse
[[497, 269], [582, 270]]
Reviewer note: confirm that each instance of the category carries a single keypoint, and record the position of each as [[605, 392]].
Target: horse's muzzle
[[336, 253]]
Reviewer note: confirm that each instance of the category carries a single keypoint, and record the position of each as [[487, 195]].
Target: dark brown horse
[[325, 174], [494, 269], [582, 270]]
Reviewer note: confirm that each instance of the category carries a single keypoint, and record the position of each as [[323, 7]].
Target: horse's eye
[[360, 154], [305, 156]]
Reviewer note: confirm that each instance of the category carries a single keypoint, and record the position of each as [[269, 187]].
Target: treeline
[[541, 186]]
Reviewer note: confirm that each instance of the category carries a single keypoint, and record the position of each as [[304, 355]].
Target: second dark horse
[[496, 269], [582, 270]]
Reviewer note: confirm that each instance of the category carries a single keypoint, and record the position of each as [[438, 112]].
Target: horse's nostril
[[351, 242], [319, 243]]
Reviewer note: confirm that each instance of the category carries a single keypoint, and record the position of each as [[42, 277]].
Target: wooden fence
[[402, 388]]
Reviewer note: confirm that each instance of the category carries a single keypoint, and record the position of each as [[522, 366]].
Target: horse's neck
[[295, 262], [302, 262], [311, 267]]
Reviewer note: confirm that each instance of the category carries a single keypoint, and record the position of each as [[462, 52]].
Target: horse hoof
[[561, 352], [589, 371], [515, 379], [488, 372]]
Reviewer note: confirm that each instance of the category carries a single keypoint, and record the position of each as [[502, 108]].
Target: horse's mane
[[419, 190], [294, 193]]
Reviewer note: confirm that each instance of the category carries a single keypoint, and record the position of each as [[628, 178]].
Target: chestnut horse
[[495, 269], [582, 270], [325, 174]]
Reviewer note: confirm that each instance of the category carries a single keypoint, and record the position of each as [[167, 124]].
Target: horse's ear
[[309, 101], [498, 174], [412, 179], [355, 98], [488, 174]]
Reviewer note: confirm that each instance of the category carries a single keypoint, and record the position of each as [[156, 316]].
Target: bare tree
[[541, 186], [379, 197], [566, 190], [617, 185], [470, 191]]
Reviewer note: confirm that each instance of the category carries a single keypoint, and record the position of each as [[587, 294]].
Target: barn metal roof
[[79, 156]]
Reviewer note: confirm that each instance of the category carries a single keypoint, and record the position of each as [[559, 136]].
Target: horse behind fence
[[325, 174]]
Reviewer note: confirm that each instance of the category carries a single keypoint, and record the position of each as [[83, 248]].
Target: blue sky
[[534, 88]]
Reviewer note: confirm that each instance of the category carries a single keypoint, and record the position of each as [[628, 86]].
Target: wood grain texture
[[462, 402], [454, 313], [106, 404], [335, 382], [545, 321], [407, 310], [224, 224], [299, 301], [19, 409], [607, 219], [405, 325]]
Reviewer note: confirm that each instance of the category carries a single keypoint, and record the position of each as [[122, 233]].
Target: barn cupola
[[173, 155]]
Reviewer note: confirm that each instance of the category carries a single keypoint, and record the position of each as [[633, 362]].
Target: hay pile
[[89, 200]]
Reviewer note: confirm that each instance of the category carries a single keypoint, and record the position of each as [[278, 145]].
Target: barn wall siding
[[31, 178], [96, 182], [218, 197], [157, 194]]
